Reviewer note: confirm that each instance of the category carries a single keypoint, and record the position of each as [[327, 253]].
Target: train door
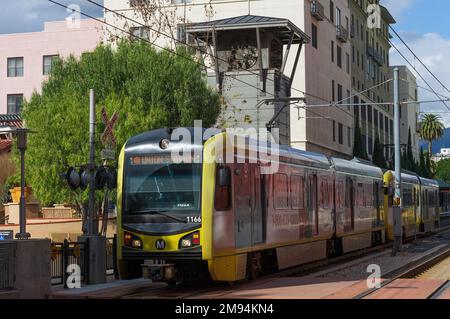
[[312, 207], [243, 205], [349, 223], [259, 206], [376, 202]]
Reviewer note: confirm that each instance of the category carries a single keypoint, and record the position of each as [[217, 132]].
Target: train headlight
[[137, 243], [131, 240], [190, 240], [164, 144], [185, 243]]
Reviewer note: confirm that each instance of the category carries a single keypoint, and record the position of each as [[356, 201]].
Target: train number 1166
[[194, 219]]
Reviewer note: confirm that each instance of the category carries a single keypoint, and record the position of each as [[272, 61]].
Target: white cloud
[[433, 50]]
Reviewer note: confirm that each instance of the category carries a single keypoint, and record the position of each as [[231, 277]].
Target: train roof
[[429, 182], [356, 168]]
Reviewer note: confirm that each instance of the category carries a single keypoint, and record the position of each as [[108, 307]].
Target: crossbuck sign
[[108, 138]]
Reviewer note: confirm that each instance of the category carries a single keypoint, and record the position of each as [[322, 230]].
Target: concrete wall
[[56, 39]]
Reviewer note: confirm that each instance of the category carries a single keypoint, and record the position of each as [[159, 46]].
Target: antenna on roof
[[249, 7]]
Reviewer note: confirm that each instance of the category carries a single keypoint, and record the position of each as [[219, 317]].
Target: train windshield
[[165, 187]]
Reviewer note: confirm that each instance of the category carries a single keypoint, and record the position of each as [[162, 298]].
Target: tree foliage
[[149, 89], [378, 156], [359, 150], [431, 129], [443, 170]]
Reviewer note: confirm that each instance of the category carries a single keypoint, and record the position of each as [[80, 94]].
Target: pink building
[[25, 58]]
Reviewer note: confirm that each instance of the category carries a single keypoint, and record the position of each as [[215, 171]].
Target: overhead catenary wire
[[418, 59]]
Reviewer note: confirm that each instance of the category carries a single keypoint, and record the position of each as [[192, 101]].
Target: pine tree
[[358, 148], [410, 162], [378, 156]]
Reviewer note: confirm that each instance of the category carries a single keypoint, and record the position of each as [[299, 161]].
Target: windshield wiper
[[153, 212]]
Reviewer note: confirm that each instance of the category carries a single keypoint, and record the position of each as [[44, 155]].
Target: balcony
[[341, 33], [377, 57], [317, 10]]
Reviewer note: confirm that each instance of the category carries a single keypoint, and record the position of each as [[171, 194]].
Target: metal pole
[[397, 207], [21, 142], [91, 212]]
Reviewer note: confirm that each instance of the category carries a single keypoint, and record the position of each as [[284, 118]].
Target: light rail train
[[211, 219]]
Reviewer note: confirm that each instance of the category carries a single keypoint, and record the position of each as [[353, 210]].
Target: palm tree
[[431, 129]]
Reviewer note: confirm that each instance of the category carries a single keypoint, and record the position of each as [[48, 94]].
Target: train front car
[[429, 205], [410, 203], [159, 205]]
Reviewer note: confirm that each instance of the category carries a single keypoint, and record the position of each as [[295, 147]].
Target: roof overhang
[[283, 28], [387, 16]]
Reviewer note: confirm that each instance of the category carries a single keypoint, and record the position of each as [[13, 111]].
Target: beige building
[[409, 113], [370, 71], [323, 72]]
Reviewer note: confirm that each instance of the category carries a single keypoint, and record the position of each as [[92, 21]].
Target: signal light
[[73, 178], [103, 177]]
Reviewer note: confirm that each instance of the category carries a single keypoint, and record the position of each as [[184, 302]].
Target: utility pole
[[91, 210], [95, 244], [397, 205]]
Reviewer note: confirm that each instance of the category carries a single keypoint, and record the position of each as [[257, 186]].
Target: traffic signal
[[103, 177], [73, 178]]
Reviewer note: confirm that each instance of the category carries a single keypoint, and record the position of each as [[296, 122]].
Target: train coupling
[[159, 272]]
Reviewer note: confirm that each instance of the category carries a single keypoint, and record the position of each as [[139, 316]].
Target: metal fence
[[7, 265], [68, 253]]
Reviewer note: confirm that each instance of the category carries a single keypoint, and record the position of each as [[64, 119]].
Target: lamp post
[[22, 137]]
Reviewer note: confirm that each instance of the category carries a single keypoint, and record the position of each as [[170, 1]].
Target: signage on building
[[6, 235]]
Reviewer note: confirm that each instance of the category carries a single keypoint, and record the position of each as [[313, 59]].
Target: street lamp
[[22, 134]]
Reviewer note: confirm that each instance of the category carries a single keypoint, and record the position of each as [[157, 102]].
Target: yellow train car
[[204, 216], [410, 203]]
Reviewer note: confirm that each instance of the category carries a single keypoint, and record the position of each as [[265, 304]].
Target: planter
[[16, 193]]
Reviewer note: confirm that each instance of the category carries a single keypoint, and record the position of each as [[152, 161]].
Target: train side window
[[324, 193], [222, 200], [339, 197], [297, 191], [281, 191]]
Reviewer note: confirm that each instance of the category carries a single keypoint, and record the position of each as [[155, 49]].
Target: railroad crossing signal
[[108, 134], [104, 177]]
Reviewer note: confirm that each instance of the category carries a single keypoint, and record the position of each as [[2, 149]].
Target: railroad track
[[414, 271]]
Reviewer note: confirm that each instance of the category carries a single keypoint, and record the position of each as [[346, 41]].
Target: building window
[[15, 103], [333, 94], [47, 63], [339, 56], [332, 51], [15, 67], [347, 61], [334, 131], [314, 35], [369, 114], [349, 137], [339, 92], [341, 133], [140, 33], [331, 11]]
